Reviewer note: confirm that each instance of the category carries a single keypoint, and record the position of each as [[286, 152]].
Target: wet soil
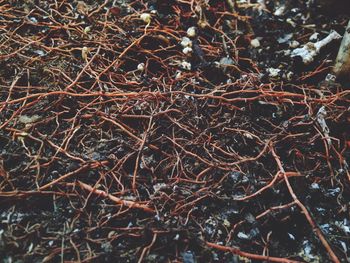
[[116, 146]]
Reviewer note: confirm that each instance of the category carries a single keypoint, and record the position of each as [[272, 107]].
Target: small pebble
[[146, 18], [141, 66], [39, 52], [294, 44], [186, 42], [187, 50], [33, 20], [159, 186], [191, 32], [273, 72], [188, 257], [242, 235], [255, 43], [330, 77], [291, 22], [291, 236], [314, 37], [87, 29], [280, 11], [84, 53], [178, 75], [186, 65], [290, 75]]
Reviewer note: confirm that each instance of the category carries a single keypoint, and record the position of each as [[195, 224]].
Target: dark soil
[[105, 159]]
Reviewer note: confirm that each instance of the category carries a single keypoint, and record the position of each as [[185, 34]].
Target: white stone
[[28, 119], [186, 65], [87, 29], [294, 44], [146, 18], [310, 50], [186, 42], [178, 75], [290, 75], [255, 43], [280, 11], [187, 50], [141, 66], [273, 72], [314, 36], [291, 22], [191, 32]]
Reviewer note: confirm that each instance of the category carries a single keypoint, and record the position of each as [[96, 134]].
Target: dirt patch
[[182, 131]]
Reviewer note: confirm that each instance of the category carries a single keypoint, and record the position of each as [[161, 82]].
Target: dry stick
[[19, 110], [305, 211], [250, 255], [281, 95], [280, 207], [16, 52], [152, 146], [260, 95], [139, 154], [202, 173], [59, 149], [277, 176], [20, 194], [73, 94], [325, 138], [125, 130], [63, 177], [147, 248], [192, 203], [211, 164], [121, 55], [97, 10], [115, 199], [10, 92], [83, 70]]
